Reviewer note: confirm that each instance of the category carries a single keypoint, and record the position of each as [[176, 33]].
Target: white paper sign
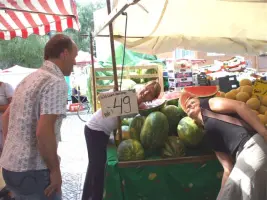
[[118, 103]]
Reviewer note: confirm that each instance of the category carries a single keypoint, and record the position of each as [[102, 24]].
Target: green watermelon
[[148, 107], [150, 71], [136, 127], [130, 150], [173, 115], [173, 148], [189, 132], [126, 121], [155, 131]]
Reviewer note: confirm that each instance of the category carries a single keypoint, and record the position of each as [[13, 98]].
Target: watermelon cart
[[150, 161]]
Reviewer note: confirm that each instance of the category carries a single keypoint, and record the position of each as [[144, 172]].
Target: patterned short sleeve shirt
[[42, 92]]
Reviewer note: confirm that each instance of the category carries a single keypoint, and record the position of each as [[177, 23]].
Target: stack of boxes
[[180, 76]]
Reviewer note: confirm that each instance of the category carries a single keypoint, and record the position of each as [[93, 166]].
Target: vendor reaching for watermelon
[[97, 132], [238, 138]]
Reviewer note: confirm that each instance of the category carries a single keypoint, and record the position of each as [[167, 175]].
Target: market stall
[[152, 28]]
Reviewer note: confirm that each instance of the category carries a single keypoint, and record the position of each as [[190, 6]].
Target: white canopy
[[203, 25]]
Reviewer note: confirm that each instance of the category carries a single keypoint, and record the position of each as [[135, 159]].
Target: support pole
[[114, 65], [93, 70]]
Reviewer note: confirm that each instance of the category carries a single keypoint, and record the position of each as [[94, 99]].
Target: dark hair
[[56, 45]]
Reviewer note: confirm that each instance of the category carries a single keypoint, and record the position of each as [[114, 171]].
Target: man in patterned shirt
[[29, 160]]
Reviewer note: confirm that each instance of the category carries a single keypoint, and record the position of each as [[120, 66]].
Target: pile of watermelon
[[162, 126]]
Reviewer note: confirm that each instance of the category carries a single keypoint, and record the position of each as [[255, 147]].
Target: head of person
[[62, 51], [150, 91], [193, 109]]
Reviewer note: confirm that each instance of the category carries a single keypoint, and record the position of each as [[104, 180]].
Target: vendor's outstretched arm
[[223, 105]]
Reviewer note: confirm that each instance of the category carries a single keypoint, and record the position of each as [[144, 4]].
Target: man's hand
[[55, 183]]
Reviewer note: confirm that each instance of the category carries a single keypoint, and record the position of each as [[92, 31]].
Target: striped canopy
[[21, 18]]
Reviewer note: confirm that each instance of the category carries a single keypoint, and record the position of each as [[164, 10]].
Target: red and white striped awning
[[21, 18]]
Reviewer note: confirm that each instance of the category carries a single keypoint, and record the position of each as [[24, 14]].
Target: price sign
[[260, 88], [118, 103]]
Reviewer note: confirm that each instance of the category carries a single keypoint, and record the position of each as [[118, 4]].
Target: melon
[[183, 98], [148, 107], [173, 115], [126, 121], [173, 148], [130, 150], [264, 100], [155, 131], [262, 118], [171, 98], [247, 88], [230, 95], [189, 132], [150, 71], [202, 91], [262, 109], [244, 82], [136, 127], [253, 103], [242, 96]]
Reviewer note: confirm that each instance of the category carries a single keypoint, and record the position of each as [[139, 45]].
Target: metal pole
[[93, 70], [113, 56]]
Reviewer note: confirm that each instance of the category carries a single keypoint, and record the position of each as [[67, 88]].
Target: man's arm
[[5, 121], [47, 143]]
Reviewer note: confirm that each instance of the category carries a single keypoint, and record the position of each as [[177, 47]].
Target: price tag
[[118, 103], [260, 88]]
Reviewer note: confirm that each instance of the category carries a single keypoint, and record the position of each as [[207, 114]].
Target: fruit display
[[202, 91], [244, 93], [173, 148], [146, 108], [189, 132], [161, 130], [154, 131], [130, 150], [174, 115], [136, 127]]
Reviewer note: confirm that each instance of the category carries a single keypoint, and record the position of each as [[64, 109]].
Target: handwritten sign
[[260, 88], [118, 103]]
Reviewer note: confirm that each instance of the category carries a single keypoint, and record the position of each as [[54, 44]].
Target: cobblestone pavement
[[73, 153]]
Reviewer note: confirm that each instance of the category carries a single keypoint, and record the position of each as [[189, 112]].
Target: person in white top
[[97, 132], [6, 93], [30, 163]]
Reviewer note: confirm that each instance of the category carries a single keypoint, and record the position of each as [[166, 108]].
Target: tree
[[29, 52]]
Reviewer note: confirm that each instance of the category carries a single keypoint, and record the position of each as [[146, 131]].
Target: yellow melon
[[245, 82], [262, 118], [253, 103], [238, 89], [242, 96], [230, 95], [264, 100], [262, 109], [222, 94], [257, 112], [247, 89]]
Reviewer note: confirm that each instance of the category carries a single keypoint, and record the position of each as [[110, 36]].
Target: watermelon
[[130, 150], [189, 132], [150, 71], [173, 148], [155, 131], [136, 127], [183, 98], [202, 91], [148, 107], [126, 121], [174, 115], [171, 98]]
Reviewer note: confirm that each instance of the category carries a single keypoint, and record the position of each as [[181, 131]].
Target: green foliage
[[29, 52]]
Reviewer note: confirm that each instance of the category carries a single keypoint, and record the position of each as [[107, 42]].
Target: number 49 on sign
[[118, 103]]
